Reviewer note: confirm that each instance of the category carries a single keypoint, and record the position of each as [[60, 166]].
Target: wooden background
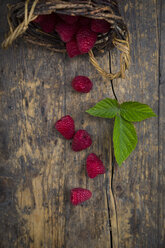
[[38, 167]]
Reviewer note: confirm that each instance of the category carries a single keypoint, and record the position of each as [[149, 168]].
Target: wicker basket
[[20, 18]]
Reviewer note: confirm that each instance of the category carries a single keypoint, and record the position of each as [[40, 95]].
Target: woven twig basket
[[21, 15]]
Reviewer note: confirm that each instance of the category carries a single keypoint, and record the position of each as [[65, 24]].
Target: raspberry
[[85, 39], [84, 20], [81, 141], [94, 166], [66, 31], [82, 84], [68, 19], [79, 195], [48, 23], [72, 48], [39, 19], [100, 26], [66, 126]]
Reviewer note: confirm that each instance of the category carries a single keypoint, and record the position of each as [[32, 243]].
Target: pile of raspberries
[[81, 141], [78, 32]]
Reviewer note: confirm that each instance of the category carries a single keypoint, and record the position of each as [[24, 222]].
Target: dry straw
[[21, 15]]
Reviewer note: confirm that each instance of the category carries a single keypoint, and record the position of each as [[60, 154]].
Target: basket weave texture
[[20, 18]]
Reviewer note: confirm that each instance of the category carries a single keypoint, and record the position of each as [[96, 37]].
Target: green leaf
[[135, 111], [107, 108], [124, 139]]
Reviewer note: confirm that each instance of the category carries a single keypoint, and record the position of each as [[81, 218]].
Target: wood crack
[[109, 220], [112, 210], [112, 205]]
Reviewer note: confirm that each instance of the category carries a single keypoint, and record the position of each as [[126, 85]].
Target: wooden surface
[[38, 167]]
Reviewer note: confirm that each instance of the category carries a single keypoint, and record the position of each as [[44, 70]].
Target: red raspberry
[[66, 31], [100, 26], [79, 195], [81, 141], [66, 126], [72, 48], [39, 19], [84, 20], [94, 166], [49, 22], [68, 19], [85, 39], [82, 84]]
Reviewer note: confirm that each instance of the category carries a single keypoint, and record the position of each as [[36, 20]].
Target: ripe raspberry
[[79, 195], [49, 22], [100, 26], [72, 48], [84, 20], [66, 31], [94, 166], [39, 19], [68, 19], [82, 84], [81, 141], [66, 126], [85, 39]]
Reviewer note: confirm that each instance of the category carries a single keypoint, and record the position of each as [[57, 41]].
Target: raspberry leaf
[[107, 108], [135, 111], [124, 139]]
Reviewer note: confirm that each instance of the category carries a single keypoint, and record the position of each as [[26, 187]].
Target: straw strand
[[22, 27], [121, 45]]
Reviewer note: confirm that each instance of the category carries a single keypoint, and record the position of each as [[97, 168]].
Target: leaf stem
[[113, 90]]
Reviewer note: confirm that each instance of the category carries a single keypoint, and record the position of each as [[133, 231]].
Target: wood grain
[[135, 185], [38, 167], [161, 172]]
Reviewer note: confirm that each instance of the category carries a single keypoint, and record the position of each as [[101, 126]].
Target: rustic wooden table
[[37, 166]]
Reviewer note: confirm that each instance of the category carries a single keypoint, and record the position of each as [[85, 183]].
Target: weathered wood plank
[[135, 185], [161, 19], [37, 92], [161, 184]]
